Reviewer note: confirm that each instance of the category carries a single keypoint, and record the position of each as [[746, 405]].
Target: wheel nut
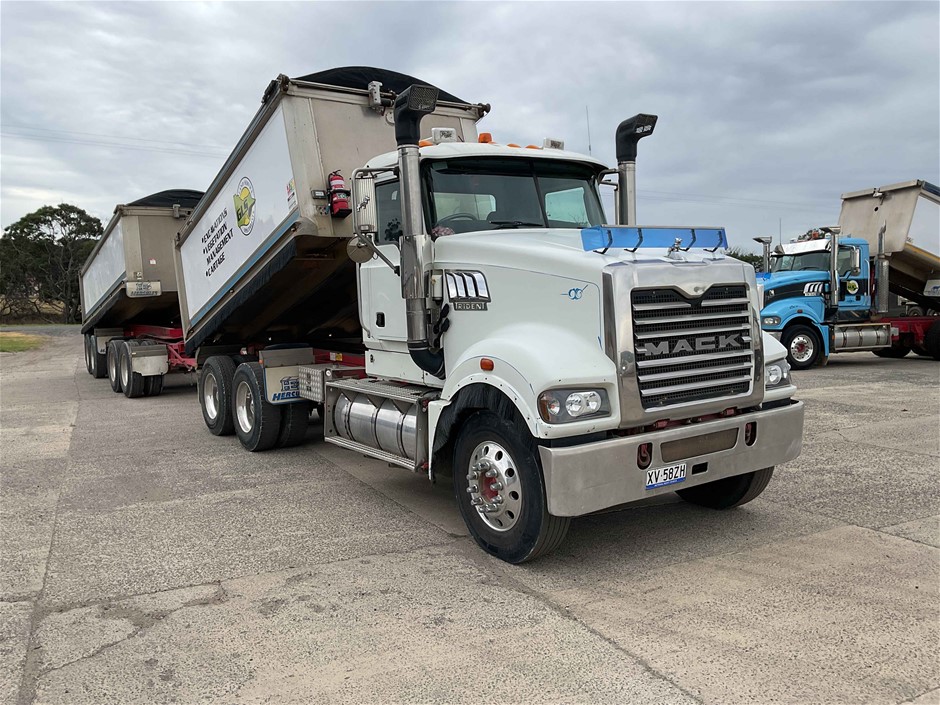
[[473, 488], [491, 473], [498, 499], [496, 486], [476, 501]]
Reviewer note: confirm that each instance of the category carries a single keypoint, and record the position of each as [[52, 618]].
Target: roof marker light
[[485, 138]]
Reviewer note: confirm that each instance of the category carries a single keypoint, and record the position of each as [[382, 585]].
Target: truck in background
[[131, 316], [458, 308], [830, 294]]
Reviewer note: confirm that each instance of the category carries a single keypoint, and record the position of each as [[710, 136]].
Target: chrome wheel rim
[[493, 487], [112, 365], [210, 396], [88, 357], [125, 371], [801, 347], [244, 407]]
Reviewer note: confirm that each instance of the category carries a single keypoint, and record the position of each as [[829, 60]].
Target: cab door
[[381, 306]]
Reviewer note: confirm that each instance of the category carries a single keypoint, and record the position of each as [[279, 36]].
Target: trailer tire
[[520, 529], [295, 419], [729, 492], [215, 394], [932, 340], [112, 360], [88, 362], [132, 383], [257, 421], [153, 385], [99, 361], [804, 348]]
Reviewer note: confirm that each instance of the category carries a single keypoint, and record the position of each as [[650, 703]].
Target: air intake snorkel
[[629, 132], [410, 106]]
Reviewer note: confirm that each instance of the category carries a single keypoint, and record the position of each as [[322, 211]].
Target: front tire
[[803, 345], [501, 492], [729, 492], [257, 421]]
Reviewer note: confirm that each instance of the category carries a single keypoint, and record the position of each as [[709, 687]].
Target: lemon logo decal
[[245, 206], [851, 286]]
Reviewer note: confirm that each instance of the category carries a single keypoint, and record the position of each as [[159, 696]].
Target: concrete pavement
[[146, 561]]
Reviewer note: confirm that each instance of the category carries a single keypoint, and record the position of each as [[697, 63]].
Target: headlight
[[776, 374], [771, 320], [566, 405]]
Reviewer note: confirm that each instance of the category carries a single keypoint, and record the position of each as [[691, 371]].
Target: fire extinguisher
[[339, 196]]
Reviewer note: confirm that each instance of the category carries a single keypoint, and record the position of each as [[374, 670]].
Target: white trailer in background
[[458, 308], [130, 306]]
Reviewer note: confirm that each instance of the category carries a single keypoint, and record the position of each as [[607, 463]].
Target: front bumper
[[593, 476]]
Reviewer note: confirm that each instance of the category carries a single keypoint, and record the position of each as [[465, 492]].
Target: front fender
[[533, 357], [788, 309]]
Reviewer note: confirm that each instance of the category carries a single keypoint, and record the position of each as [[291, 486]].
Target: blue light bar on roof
[[618, 237]]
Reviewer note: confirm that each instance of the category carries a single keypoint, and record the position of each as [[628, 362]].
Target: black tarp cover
[[361, 76], [184, 198]]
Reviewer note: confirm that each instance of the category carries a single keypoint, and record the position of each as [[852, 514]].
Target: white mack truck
[[460, 309]]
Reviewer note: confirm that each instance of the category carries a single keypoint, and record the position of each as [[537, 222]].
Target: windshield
[[497, 193], [812, 261]]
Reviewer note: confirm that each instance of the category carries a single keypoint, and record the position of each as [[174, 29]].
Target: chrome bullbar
[[684, 349]]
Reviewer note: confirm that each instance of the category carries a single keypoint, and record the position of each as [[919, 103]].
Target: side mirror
[[365, 221], [358, 251]]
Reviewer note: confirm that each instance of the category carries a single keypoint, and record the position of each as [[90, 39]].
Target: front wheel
[[729, 492], [500, 490], [803, 345]]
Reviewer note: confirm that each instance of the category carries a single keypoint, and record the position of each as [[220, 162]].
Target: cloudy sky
[[768, 111]]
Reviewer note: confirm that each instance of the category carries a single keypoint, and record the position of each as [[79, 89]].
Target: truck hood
[[776, 279]]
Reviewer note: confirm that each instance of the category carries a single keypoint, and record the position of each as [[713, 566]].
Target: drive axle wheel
[[132, 383], [215, 395], [500, 490], [803, 346], [729, 492], [257, 421]]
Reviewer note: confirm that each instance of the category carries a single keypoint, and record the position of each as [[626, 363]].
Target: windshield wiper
[[503, 224]]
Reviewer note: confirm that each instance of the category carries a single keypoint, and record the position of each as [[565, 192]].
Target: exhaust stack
[[629, 132], [411, 105]]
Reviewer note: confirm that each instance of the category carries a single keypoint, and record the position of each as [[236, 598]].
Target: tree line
[[41, 256]]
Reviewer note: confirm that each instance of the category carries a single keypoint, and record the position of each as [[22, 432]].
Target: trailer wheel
[[295, 419], [153, 385], [88, 363], [215, 394], [729, 492], [895, 352], [113, 359], [257, 421], [803, 346], [99, 361], [132, 383], [501, 492], [932, 340]]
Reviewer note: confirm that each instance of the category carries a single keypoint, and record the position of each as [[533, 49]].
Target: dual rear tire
[[233, 401], [121, 373], [95, 362]]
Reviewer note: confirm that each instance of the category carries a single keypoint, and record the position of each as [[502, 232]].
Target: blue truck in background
[[829, 291]]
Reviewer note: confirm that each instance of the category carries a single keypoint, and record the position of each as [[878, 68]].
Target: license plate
[[669, 475]]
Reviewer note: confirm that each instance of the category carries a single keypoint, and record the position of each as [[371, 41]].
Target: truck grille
[[690, 350]]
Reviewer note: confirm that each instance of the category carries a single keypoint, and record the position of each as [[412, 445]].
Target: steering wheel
[[456, 216]]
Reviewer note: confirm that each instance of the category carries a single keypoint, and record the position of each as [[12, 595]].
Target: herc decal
[[245, 206]]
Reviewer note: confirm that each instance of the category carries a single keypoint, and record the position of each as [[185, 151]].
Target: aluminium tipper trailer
[[129, 292], [551, 365], [263, 258]]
